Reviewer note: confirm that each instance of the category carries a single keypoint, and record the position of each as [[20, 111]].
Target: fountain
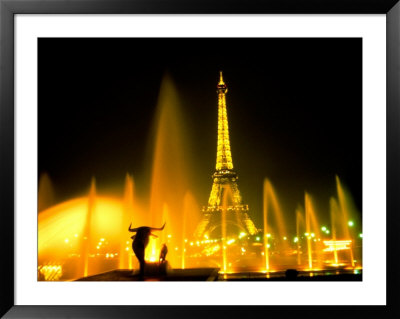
[[299, 222], [312, 232], [68, 239], [223, 230], [189, 207], [270, 199], [87, 235], [126, 256], [169, 181], [334, 211], [344, 208], [88, 224], [45, 192]]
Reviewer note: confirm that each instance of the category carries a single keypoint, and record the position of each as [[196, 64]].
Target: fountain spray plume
[[265, 215], [299, 222], [312, 232], [334, 210], [86, 238], [186, 211], [227, 194], [346, 215], [126, 257], [170, 175], [184, 221], [308, 230], [190, 218], [45, 192], [270, 198]]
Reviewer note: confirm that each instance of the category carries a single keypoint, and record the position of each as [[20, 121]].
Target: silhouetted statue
[[163, 253], [291, 274], [140, 242]]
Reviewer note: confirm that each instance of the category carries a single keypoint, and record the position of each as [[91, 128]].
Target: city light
[[333, 245], [51, 272]]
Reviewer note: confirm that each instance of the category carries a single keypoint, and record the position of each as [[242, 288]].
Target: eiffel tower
[[224, 180]]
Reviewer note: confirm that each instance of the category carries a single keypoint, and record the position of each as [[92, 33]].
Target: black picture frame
[[8, 10]]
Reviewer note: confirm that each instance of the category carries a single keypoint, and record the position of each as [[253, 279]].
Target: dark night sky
[[294, 111]]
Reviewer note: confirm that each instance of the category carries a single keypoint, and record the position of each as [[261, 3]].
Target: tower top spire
[[221, 79], [221, 87], [224, 157]]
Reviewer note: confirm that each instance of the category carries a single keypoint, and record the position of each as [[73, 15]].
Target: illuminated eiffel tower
[[224, 180]]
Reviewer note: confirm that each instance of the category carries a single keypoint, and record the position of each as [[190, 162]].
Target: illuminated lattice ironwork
[[224, 182]]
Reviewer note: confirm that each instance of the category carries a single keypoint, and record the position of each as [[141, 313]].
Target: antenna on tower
[[221, 80]]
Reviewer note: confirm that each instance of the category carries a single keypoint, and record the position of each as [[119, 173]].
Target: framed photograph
[[174, 159]]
